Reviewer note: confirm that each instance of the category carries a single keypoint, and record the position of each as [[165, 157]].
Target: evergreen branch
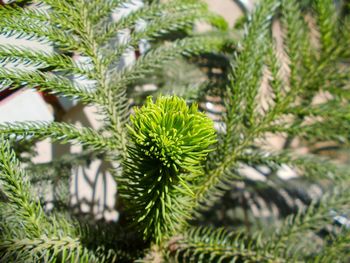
[[297, 44], [245, 81], [276, 83], [49, 249], [327, 24], [48, 82], [309, 73], [212, 189], [37, 249], [148, 13], [247, 72], [33, 12], [312, 75], [345, 33], [314, 218], [316, 131], [54, 62], [18, 191], [66, 15], [310, 166], [61, 132], [116, 110], [82, 27], [336, 249], [39, 240], [338, 92], [65, 18], [332, 108], [101, 10], [112, 236], [178, 13], [157, 57], [338, 77], [153, 30], [204, 244], [325, 73], [23, 26], [322, 131]]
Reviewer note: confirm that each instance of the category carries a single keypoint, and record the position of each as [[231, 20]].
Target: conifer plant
[[183, 195]]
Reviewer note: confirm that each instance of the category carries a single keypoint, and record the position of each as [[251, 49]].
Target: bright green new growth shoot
[[173, 133], [170, 141]]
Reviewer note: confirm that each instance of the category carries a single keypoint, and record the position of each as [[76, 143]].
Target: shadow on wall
[[92, 188]]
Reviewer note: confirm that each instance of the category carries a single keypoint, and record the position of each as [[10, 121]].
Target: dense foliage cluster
[[170, 143], [187, 192]]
